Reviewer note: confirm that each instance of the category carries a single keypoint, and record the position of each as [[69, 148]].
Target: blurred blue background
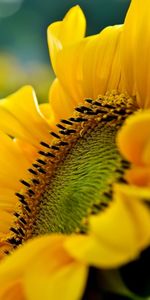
[[23, 44]]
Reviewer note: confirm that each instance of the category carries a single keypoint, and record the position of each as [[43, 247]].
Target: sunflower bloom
[[75, 172]]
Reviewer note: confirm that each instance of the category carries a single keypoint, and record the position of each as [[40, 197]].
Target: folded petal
[[117, 235], [136, 51], [66, 32]]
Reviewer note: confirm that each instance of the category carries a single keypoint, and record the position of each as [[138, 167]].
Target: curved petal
[[62, 34], [117, 235], [136, 51], [134, 138], [60, 276], [20, 117]]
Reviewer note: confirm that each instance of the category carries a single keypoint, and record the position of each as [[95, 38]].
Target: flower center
[[73, 177]]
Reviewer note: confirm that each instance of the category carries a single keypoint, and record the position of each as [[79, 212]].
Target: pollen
[[74, 175]]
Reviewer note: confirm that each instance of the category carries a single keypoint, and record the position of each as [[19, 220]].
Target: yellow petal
[[66, 32], [101, 62], [146, 153], [29, 152], [136, 51], [117, 235], [5, 221], [14, 265], [82, 74], [139, 176], [134, 138], [7, 199], [20, 117], [62, 282], [45, 270], [13, 162], [60, 102], [13, 291], [48, 113], [69, 70]]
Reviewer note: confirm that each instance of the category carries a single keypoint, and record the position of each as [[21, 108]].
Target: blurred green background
[[24, 55]]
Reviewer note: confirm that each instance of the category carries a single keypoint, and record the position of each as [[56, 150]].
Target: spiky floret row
[[111, 108]]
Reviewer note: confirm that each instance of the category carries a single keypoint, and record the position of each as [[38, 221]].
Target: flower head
[[77, 197]]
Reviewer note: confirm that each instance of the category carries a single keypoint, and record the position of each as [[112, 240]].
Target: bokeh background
[[24, 55]]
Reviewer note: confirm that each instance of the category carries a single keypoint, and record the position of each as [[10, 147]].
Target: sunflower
[[75, 172]]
